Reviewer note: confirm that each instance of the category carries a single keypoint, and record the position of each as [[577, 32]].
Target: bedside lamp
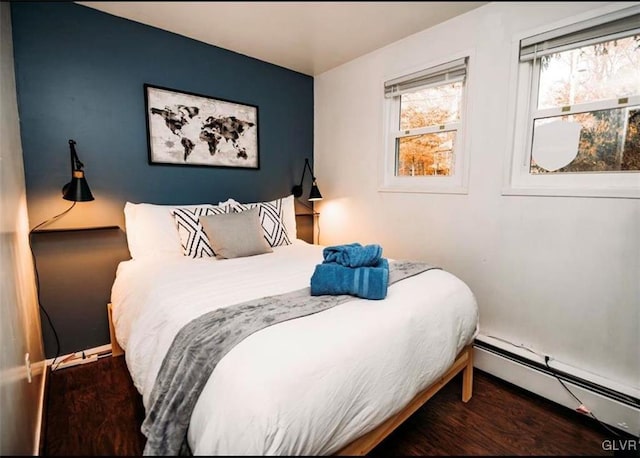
[[77, 190], [315, 192], [314, 195]]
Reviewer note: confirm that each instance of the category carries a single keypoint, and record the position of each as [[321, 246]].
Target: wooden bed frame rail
[[365, 443], [116, 349]]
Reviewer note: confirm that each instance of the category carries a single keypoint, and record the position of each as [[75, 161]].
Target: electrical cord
[[518, 346], [37, 275], [553, 371], [543, 356], [588, 412]]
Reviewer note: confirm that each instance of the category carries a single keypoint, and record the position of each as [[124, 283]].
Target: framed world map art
[[196, 130]]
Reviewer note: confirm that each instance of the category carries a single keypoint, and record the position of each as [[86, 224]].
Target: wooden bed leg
[[467, 376], [116, 349]]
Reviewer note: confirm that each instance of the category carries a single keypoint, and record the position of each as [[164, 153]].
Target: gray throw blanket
[[201, 344]]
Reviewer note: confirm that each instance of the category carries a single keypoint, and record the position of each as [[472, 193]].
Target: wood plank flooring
[[94, 409]]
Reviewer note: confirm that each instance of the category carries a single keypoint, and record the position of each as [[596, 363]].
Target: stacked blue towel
[[352, 269], [353, 254], [366, 282]]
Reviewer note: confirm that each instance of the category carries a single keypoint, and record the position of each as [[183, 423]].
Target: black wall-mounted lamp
[[77, 190], [315, 192]]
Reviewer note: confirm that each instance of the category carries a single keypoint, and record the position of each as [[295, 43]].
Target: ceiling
[[308, 37]]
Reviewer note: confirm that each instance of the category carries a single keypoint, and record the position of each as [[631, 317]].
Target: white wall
[[20, 401], [559, 275]]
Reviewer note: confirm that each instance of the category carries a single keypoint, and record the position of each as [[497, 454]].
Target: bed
[[334, 382]]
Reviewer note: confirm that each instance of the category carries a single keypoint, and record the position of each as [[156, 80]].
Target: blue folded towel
[[366, 282], [353, 255]]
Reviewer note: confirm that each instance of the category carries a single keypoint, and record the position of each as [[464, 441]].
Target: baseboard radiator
[[616, 408]]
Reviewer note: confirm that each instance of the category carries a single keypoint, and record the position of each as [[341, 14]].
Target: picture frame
[[188, 129]]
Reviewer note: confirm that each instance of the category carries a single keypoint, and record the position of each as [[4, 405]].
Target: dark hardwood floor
[[94, 409]]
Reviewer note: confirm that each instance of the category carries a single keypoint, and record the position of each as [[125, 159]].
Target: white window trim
[[517, 179], [457, 183]]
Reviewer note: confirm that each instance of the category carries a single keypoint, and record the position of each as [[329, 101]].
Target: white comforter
[[303, 387]]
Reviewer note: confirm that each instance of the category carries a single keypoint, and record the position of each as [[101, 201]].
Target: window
[[424, 144], [578, 116]]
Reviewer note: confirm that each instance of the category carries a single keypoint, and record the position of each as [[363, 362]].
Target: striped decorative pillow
[[270, 214], [195, 243]]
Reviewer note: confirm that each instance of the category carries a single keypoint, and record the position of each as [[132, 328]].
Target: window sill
[[619, 193], [424, 190]]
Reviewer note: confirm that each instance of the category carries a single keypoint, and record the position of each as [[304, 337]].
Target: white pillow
[[270, 217], [151, 229], [194, 240], [288, 213]]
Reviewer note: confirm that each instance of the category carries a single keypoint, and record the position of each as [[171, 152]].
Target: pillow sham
[[235, 235], [151, 229], [288, 214], [270, 215], [194, 241]]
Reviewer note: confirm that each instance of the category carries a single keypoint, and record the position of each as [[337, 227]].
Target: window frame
[[518, 179], [457, 182]]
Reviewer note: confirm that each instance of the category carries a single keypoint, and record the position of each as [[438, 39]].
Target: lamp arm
[[313, 178], [304, 170], [75, 162]]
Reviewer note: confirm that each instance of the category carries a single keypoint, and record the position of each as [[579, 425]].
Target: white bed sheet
[[304, 387]]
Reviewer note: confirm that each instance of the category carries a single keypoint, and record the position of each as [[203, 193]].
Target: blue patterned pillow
[[270, 214], [195, 243]]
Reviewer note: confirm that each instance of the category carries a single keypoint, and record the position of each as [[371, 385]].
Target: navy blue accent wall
[[80, 75]]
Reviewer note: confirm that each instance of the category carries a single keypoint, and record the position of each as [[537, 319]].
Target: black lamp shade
[[297, 189], [77, 189], [315, 193]]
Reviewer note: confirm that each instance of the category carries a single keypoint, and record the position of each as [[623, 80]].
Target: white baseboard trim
[[63, 361], [41, 412], [613, 413]]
